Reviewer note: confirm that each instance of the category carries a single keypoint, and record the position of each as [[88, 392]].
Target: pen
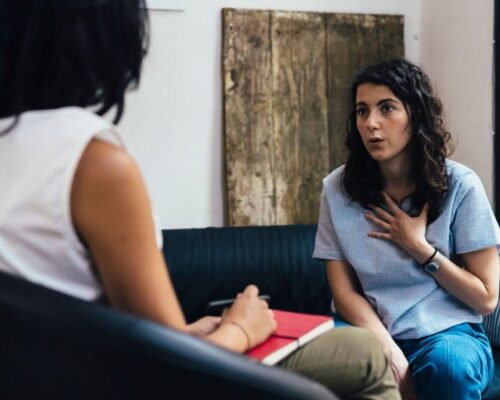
[[228, 302]]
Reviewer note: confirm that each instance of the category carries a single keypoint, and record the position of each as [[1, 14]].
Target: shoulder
[[462, 178], [457, 170], [104, 164], [333, 179], [107, 189], [465, 189]]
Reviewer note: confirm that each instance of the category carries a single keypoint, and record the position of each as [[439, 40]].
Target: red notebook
[[294, 330]]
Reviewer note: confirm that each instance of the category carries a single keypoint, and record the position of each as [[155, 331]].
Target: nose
[[372, 122]]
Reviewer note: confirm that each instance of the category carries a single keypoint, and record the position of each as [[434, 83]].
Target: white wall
[[457, 52], [173, 123]]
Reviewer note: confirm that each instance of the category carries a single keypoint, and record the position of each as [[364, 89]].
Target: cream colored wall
[[173, 123], [456, 49]]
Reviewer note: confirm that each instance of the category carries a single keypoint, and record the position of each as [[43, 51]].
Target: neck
[[399, 182]]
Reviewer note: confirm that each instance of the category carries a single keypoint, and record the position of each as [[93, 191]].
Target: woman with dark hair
[[74, 212], [409, 238]]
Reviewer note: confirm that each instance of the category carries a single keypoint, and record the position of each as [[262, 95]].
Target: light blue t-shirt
[[410, 303]]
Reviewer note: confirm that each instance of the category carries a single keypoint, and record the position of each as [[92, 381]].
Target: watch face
[[433, 266]]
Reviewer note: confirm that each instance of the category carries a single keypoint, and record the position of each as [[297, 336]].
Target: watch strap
[[430, 258]]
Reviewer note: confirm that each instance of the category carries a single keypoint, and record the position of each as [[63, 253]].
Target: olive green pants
[[349, 361]]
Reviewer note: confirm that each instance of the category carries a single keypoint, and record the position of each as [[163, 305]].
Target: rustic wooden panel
[[286, 76], [247, 119], [353, 42], [300, 129]]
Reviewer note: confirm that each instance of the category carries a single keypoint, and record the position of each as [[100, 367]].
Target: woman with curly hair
[[409, 238]]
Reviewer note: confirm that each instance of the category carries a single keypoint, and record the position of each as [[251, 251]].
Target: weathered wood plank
[[286, 77], [300, 133], [247, 118], [354, 41], [390, 36]]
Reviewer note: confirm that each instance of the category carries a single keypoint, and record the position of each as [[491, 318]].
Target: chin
[[378, 156]]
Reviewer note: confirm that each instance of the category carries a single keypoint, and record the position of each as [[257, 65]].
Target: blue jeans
[[454, 364]]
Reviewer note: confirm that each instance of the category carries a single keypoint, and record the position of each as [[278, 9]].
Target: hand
[[252, 314], [408, 232], [204, 326], [402, 374]]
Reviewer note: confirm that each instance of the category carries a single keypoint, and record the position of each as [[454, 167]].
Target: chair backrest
[[54, 346]]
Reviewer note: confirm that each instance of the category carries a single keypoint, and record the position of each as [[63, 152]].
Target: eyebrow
[[391, 100]]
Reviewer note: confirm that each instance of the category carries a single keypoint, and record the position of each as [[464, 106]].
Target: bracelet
[[431, 257], [247, 336]]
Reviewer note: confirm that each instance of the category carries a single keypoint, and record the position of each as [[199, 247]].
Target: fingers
[[391, 204], [382, 213], [251, 293], [378, 221], [251, 290], [381, 223], [380, 235]]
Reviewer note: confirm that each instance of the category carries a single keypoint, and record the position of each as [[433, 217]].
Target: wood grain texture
[[299, 114], [390, 36], [248, 118], [286, 78]]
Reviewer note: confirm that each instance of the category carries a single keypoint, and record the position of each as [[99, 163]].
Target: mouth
[[375, 144]]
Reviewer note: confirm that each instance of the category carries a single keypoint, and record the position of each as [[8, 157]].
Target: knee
[[365, 341], [443, 367], [370, 351], [449, 367]]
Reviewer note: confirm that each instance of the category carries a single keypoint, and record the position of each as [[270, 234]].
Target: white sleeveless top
[[38, 159]]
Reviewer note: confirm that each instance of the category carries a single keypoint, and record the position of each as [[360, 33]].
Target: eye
[[361, 112], [386, 108]]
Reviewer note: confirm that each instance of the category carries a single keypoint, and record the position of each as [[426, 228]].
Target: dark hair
[[362, 180], [57, 53]]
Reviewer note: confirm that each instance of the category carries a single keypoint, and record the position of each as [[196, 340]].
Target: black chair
[[55, 346]]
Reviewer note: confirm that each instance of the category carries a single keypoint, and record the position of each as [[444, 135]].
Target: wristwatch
[[433, 264]]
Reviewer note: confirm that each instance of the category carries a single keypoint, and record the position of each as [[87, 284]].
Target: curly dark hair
[[430, 144], [57, 53]]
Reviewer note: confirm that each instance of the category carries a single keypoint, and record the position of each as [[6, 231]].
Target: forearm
[[230, 337], [468, 287]]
